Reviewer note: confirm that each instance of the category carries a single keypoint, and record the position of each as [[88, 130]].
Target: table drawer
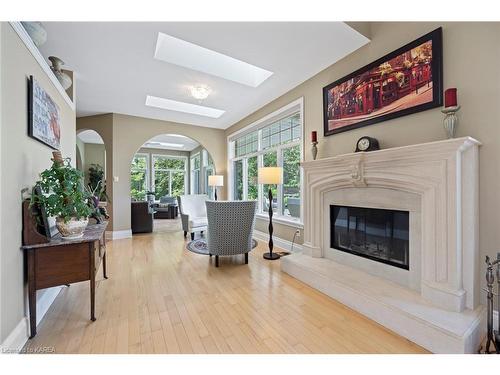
[[62, 265]]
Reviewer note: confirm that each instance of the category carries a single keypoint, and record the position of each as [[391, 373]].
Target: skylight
[[165, 144], [179, 52], [174, 105]]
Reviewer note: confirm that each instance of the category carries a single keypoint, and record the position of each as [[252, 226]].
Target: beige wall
[[125, 135], [130, 133], [22, 159], [471, 53]]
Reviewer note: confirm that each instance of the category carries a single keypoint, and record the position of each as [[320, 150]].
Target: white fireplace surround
[[436, 302]]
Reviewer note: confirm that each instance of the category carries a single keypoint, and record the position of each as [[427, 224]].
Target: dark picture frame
[[44, 118], [374, 93]]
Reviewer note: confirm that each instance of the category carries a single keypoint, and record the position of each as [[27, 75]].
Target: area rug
[[200, 246]]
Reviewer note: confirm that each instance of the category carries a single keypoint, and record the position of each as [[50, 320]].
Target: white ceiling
[[90, 136], [116, 69], [166, 142]]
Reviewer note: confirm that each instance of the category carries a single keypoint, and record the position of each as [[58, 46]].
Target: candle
[[314, 136], [450, 98]]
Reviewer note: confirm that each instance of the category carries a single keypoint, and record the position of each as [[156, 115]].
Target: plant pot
[[71, 229]]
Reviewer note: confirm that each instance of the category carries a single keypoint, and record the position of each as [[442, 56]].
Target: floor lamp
[[271, 176], [214, 181]]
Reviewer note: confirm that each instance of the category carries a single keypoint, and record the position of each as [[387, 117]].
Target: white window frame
[[148, 181], [192, 169], [289, 109], [153, 171]]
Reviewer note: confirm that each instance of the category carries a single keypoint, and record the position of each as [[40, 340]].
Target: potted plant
[[96, 183], [64, 197]]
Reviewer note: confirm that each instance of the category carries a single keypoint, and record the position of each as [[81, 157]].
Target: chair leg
[[210, 255], [192, 236], [216, 261], [246, 258], [185, 234]]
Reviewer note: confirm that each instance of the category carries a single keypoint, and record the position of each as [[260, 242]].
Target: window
[[276, 142], [195, 174], [139, 178], [208, 170], [169, 175]]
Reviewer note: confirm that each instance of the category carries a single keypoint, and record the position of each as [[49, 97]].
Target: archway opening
[[170, 165], [91, 160]]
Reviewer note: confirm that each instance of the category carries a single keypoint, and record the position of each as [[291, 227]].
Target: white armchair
[[193, 213]]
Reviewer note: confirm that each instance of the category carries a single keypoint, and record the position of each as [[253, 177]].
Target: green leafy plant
[[63, 194], [96, 182]]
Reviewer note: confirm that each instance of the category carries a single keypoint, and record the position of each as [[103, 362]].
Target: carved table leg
[[32, 292], [92, 281]]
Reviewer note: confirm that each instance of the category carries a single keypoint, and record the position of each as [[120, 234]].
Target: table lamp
[[270, 176], [214, 181]]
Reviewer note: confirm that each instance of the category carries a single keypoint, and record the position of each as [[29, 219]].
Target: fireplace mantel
[[444, 175]]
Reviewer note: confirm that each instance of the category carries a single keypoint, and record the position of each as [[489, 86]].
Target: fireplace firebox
[[377, 234]]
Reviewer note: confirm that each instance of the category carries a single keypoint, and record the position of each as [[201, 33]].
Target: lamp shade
[[216, 180], [271, 175]]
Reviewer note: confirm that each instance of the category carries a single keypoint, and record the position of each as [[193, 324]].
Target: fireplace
[[377, 234]]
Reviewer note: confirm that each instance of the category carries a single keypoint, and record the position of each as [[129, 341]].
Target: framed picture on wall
[[405, 81], [44, 121]]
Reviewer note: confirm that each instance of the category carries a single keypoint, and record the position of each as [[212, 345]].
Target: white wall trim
[[17, 338], [20, 334], [23, 35], [118, 234], [278, 242]]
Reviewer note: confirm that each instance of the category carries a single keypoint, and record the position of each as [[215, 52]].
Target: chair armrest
[[185, 222]]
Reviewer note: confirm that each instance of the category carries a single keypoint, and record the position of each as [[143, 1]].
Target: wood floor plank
[[161, 298]]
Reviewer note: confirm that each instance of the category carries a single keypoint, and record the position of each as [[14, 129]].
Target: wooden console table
[[62, 262]]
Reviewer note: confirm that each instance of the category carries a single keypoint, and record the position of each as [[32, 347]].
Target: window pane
[[209, 189], [291, 182], [238, 180], [162, 162], [177, 183], [270, 160], [195, 182], [162, 180], [138, 177], [253, 192], [138, 185]]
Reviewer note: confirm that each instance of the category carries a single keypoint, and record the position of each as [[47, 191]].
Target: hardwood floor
[[161, 298]]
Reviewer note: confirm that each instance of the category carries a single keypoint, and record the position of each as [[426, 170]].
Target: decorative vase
[[314, 150], [72, 229], [36, 31], [450, 120], [63, 78]]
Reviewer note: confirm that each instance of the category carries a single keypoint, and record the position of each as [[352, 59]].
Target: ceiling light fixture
[[174, 105], [200, 92]]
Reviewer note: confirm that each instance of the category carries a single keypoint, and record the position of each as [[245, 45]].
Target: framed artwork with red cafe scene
[[405, 81]]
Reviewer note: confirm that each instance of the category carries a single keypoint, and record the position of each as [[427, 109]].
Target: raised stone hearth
[[434, 303]]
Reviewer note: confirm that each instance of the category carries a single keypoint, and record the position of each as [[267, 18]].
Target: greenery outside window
[[169, 175], [139, 177]]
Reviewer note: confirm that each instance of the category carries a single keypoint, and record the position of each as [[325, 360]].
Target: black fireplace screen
[[377, 234]]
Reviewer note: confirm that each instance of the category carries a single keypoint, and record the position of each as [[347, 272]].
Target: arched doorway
[[91, 160], [163, 168], [170, 165]]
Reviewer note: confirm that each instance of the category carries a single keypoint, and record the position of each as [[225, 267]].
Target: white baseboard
[[118, 234], [20, 334], [278, 242], [17, 338]]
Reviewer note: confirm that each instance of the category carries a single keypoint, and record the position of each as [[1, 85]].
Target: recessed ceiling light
[[200, 92], [179, 52], [174, 105]]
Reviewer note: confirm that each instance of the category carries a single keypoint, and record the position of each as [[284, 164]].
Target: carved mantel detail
[[444, 174]]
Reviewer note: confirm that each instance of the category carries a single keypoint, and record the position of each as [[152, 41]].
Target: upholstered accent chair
[[230, 228], [193, 213], [141, 217]]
